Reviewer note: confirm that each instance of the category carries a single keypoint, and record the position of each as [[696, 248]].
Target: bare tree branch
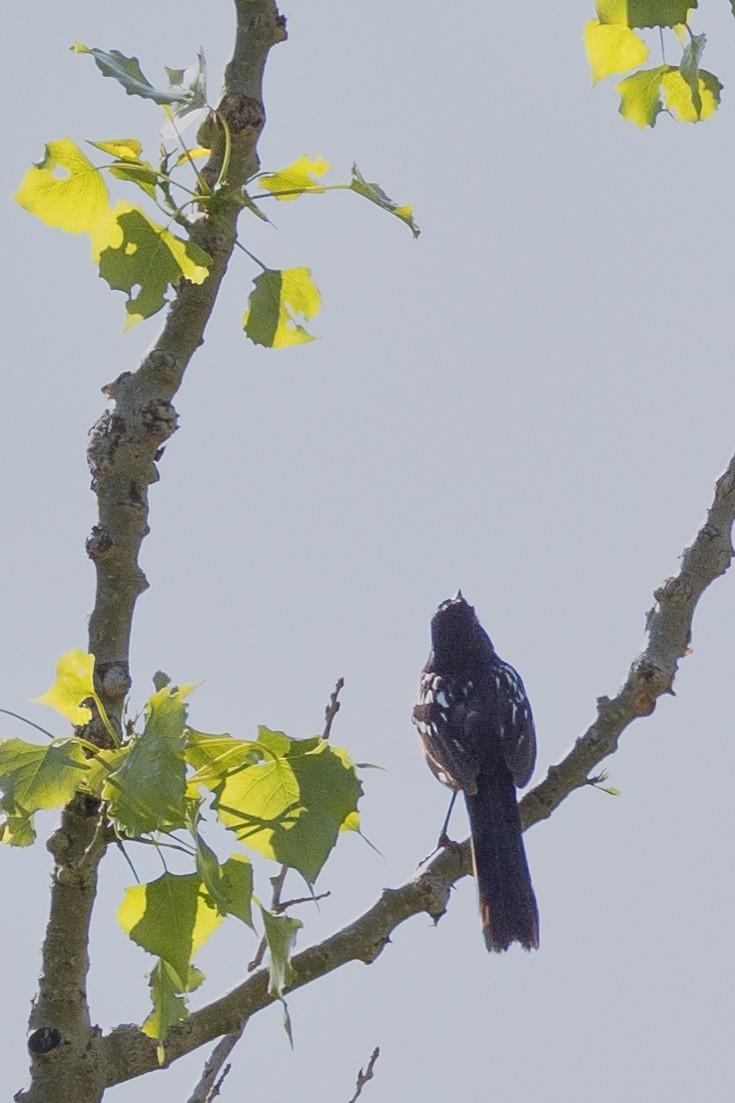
[[129, 1053], [363, 1077], [332, 708]]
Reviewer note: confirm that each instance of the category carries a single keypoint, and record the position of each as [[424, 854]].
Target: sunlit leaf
[[678, 96], [376, 195], [277, 299], [33, 777], [170, 918], [74, 684], [640, 95], [302, 174], [612, 49], [126, 149], [292, 808], [214, 756], [64, 189], [138, 256], [17, 830]]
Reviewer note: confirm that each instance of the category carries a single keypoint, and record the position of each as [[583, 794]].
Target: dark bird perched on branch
[[477, 731]]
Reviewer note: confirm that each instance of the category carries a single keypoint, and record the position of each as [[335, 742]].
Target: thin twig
[[209, 1085], [300, 900], [363, 1077], [332, 708]]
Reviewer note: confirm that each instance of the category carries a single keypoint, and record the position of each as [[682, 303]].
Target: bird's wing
[[517, 731], [450, 731]]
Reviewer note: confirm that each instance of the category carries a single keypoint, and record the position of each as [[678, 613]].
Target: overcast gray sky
[[531, 402]]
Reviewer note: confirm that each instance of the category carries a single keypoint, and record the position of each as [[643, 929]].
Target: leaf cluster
[[614, 44], [144, 258], [287, 799]]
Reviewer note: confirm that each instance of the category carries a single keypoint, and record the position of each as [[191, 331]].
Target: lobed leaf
[[292, 808], [297, 178], [74, 684], [33, 777], [640, 95], [64, 189], [680, 100], [187, 87], [277, 299], [143, 259], [170, 918]]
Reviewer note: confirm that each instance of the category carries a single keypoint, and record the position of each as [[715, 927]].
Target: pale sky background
[[531, 402]]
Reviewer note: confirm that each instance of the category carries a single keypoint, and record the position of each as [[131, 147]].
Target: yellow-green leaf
[[292, 808], [65, 189], [301, 176], [170, 918], [34, 777], [640, 95], [126, 149], [138, 256], [680, 101], [612, 49], [277, 299], [74, 684]]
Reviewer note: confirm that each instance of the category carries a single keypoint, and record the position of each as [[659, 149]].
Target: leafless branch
[[363, 1077], [332, 708]]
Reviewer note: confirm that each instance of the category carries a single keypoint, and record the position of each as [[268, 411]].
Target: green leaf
[[375, 194], [65, 189], [33, 777], [689, 69], [146, 792], [138, 256], [74, 684], [17, 831], [214, 756], [237, 882], [169, 1006], [297, 178], [140, 173], [187, 87], [644, 13], [277, 298], [292, 808], [679, 100], [230, 885], [169, 918], [612, 49], [280, 933], [640, 95]]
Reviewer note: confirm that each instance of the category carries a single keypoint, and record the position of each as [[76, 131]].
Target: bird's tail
[[508, 909]]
